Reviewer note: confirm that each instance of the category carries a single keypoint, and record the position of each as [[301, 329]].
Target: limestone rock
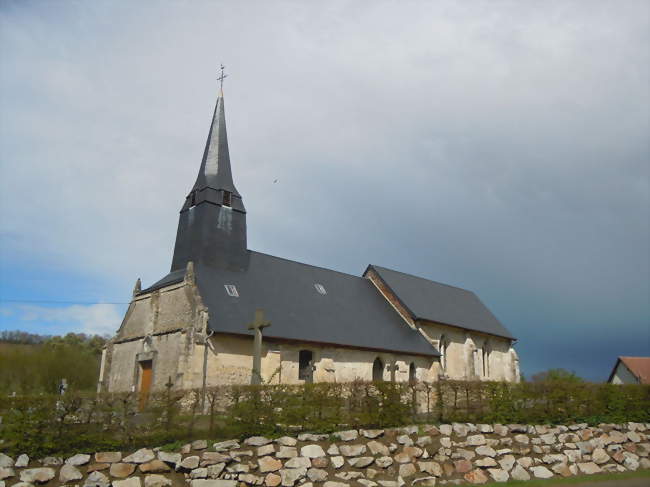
[[485, 462], [445, 442], [486, 451], [317, 475], [224, 446], [348, 435], [286, 441], [348, 475], [143, 455], [445, 429], [337, 461], [462, 466], [320, 462], [500, 429], [485, 428], [257, 441], [97, 479], [384, 462], [94, 467], [402, 458], [407, 470], [269, 464], [37, 475], [631, 463], [298, 462], [6, 461], [541, 472], [525, 462], [189, 463], [199, 444], [157, 481], [432, 468], [367, 483], [476, 440], [108, 457], [599, 456], [562, 469], [377, 448], [404, 440], [6, 472], [287, 452], [352, 450], [130, 482], [507, 462], [413, 451], [333, 450], [361, 462], [372, 434], [154, 466], [22, 461], [423, 441], [265, 450], [589, 468], [335, 484], [554, 458], [573, 456], [121, 470], [312, 451], [523, 439], [69, 473], [199, 473], [311, 437], [241, 453], [460, 429], [238, 468], [475, 477], [215, 470], [208, 458], [424, 482], [291, 475], [272, 480], [498, 474], [519, 473], [250, 479]]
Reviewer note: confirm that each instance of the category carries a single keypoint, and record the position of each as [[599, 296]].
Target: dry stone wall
[[421, 456]]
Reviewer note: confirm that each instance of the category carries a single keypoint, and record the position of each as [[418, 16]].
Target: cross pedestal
[[257, 325]]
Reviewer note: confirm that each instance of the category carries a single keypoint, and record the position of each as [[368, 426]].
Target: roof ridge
[[426, 279], [307, 265]]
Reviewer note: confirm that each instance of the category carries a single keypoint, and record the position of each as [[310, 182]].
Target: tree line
[[34, 364]]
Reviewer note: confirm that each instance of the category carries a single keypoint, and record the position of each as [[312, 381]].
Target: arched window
[[486, 359], [412, 377], [305, 365], [378, 370]]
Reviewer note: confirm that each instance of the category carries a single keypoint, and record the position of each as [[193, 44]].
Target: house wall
[[463, 356], [622, 375], [230, 361]]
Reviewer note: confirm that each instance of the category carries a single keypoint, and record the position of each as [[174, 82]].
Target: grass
[[577, 480]]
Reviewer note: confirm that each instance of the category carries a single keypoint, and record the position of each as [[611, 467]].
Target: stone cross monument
[[257, 325]]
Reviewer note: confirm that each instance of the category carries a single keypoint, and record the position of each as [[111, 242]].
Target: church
[[192, 328]]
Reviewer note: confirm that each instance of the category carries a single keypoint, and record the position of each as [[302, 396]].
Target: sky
[[498, 146]]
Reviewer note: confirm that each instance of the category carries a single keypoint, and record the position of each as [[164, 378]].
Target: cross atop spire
[[221, 78]]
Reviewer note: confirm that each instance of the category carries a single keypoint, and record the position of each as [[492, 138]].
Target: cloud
[[95, 319], [498, 146]]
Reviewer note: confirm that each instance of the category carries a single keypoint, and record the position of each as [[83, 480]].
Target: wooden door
[[145, 382]]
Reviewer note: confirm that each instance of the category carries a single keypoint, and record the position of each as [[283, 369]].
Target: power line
[[44, 301]]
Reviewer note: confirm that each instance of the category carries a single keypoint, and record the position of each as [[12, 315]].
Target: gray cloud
[[498, 146]]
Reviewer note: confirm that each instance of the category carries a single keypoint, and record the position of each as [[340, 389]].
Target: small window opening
[[486, 360], [320, 288], [231, 290], [227, 197], [378, 370], [412, 373], [442, 348], [306, 365], [193, 199]]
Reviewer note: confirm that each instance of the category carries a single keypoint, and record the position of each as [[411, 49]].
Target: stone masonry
[[423, 455]]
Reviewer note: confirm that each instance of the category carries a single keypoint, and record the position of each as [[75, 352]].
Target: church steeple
[[212, 222]]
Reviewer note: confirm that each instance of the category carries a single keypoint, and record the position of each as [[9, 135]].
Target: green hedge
[[47, 424]]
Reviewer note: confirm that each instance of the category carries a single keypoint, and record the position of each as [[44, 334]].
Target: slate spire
[[212, 222]]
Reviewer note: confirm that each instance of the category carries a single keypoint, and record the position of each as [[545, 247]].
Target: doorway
[[146, 375]]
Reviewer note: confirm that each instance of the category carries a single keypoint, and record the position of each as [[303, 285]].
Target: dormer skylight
[[320, 288], [231, 290]]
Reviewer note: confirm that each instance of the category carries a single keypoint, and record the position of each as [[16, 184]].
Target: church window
[[412, 373], [305, 365], [486, 360], [227, 198], [378, 370], [320, 288], [231, 290]]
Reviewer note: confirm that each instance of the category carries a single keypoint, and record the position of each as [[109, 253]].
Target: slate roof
[[352, 313], [433, 301]]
